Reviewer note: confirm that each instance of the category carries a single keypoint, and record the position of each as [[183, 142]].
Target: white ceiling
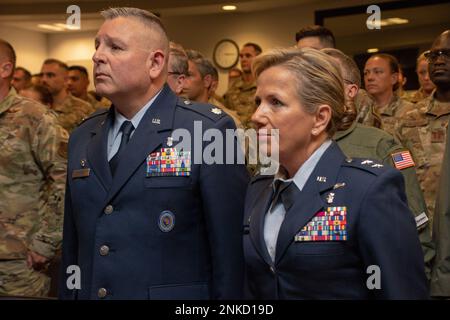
[[27, 14]]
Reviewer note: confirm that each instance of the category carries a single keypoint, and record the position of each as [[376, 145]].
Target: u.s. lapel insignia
[[322, 179], [216, 111], [83, 163], [330, 197], [156, 121], [169, 141]]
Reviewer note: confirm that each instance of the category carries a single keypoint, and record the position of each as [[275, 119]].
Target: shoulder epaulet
[[260, 177], [368, 165], [97, 113], [208, 110]]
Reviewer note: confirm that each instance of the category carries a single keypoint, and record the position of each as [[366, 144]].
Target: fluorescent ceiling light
[[388, 22], [372, 50], [229, 8], [50, 27], [67, 26]]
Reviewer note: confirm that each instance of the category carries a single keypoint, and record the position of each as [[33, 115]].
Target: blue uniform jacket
[[153, 237], [379, 231]]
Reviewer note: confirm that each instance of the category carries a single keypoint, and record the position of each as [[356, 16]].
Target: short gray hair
[[204, 66], [350, 70], [144, 16]]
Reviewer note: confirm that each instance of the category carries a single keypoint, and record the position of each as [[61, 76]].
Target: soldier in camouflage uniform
[[77, 85], [425, 127], [426, 85], [32, 182], [439, 68], [360, 141], [383, 109], [70, 110], [241, 95]]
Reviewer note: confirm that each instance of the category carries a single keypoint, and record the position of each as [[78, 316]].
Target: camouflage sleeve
[[416, 201], [49, 145]]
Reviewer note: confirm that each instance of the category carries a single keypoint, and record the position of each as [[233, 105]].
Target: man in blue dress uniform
[[143, 219]]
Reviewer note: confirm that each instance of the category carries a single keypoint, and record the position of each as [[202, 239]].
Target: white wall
[[30, 46]]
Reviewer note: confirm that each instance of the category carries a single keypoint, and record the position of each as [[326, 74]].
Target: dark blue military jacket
[[373, 230], [141, 236]]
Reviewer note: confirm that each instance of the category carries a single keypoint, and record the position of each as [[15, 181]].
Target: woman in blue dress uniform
[[325, 226]]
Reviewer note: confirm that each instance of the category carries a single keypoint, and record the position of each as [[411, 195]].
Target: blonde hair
[[318, 80]]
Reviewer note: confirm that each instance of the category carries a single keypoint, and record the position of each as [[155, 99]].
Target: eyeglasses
[[175, 73], [433, 55], [347, 81]]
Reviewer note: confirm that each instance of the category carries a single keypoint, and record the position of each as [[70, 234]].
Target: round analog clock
[[226, 54]]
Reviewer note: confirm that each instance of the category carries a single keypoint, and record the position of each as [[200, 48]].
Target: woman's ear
[[322, 118]]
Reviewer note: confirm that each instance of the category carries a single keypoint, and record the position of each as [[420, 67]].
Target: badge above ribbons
[[169, 162], [329, 225]]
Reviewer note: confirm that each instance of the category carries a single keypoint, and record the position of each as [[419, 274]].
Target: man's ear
[[180, 84], [207, 81], [394, 78], [6, 70], [322, 118], [155, 63], [351, 91]]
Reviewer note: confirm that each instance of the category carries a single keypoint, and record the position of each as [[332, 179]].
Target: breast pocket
[[319, 247], [168, 182]]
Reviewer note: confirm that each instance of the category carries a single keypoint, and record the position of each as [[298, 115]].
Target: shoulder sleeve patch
[[402, 160]]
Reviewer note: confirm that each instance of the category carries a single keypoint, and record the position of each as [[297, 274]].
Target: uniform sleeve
[[50, 150], [414, 195], [69, 248], [388, 239], [440, 281], [223, 189]]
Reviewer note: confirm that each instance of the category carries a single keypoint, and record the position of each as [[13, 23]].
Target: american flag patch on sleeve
[[402, 160]]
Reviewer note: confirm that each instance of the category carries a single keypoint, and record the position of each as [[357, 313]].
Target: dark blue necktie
[[126, 129], [287, 192]]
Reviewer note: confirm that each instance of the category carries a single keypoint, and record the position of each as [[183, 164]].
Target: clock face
[[226, 54]]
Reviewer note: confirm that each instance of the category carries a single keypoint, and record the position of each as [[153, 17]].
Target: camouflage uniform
[[424, 131], [415, 96], [361, 141], [72, 111], [32, 184], [104, 103], [386, 117], [241, 98], [440, 280]]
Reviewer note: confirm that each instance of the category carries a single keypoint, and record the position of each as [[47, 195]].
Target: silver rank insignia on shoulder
[[187, 102], [216, 110], [339, 185], [377, 165], [322, 179], [330, 197], [367, 162], [156, 121], [169, 141]]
